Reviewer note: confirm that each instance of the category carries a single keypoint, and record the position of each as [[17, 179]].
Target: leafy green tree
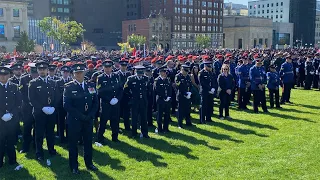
[[64, 32], [25, 44], [136, 40], [203, 41]]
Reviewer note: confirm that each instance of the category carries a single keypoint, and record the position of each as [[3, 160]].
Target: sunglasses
[[225, 69]]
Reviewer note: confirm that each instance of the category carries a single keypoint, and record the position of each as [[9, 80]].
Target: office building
[[317, 29], [189, 18], [277, 10], [13, 21]]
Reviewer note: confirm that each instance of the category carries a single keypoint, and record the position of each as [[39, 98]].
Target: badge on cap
[[41, 66], [78, 67], [3, 71]]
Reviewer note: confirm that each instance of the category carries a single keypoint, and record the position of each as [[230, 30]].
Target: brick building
[[155, 28], [189, 18]]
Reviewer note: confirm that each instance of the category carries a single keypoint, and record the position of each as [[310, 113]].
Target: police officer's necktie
[[4, 86]]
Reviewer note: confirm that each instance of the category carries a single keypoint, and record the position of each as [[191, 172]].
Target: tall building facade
[[317, 29], [133, 9], [189, 18], [303, 15], [13, 21], [60, 9], [277, 10]]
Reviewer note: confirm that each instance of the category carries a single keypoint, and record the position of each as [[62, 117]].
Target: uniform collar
[[6, 84]]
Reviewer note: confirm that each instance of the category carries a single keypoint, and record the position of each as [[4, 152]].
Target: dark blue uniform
[[258, 77], [310, 71], [137, 86], [184, 85], [163, 90], [10, 99], [287, 77], [273, 86], [244, 86], [316, 65], [150, 101], [81, 104], [109, 87], [124, 103], [208, 80], [43, 93], [225, 83]]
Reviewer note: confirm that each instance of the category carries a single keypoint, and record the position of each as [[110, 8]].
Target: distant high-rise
[[60, 9], [303, 15]]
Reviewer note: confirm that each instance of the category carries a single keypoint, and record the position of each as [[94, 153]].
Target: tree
[[203, 41], [136, 40], [25, 44], [64, 32], [89, 47]]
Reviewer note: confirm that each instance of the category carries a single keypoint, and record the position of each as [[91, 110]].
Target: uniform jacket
[[208, 80], [138, 89], [10, 99], [163, 89], [109, 87], [184, 85], [286, 73], [244, 77], [257, 76], [273, 80]]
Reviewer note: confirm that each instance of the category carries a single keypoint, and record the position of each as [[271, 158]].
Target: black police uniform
[[109, 87], [150, 100], [9, 99], [163, 90], [208, 80], [43, 93], [184, 85], [28, 119], [310, 71], [124, 103], [81, 103], [61, 125], [171, 74], [137, 86]]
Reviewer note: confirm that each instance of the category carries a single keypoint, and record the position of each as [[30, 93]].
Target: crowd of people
[[80, 92]]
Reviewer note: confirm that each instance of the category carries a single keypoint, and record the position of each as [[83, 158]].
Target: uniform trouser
[[109, 112], [44, 126], [20, 115], [62, 123], [244, 97], [163, 113], [233, 93], [184, 109], [28, 124], [80, 130], [308, 81], [149, 111], [139, 110], [174, 102], [302, 77], [286, 91], [316, 81], [248, 95], [274, 93], [7, 141], [206, 110], [224, 103], [259, 97], [125, 111]]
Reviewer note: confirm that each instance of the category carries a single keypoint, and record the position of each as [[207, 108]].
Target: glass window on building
[[191, 2], [1, 12], [53, 1], [203, 20], [15, 12], [281, 3], [16, 31], [190, 11], [2, 30], [204, 4], [209, 4], [66, 10], [59, 1], [203, 28], [53, 9], [66, 2], [184, 2], [60, 10], [184, 10]]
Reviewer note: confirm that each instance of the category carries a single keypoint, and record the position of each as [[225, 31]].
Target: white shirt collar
[[6, 84]]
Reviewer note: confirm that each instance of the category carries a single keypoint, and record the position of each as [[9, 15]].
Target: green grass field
[[283, 144]]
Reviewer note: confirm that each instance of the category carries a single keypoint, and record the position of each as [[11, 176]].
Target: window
[[15, 12], [16, 31], [267, 5], [53, 9], [66, 2], [209, 20], [259, 6], [276, 16], [1, 12], [203, 28], [191, 2], [1, 30], [204, 12], [271, 4], [60, 10], [209, 4], [183, 27], [250, 7], [59, 1], [204, 4], [281, 3], [262, 5], [184, 10], [190, 11], [277, 4], [262, 11], [184, 2], [267, 10], [280, 15], [54, 1], [66, 18], [66, 10], [203, 20]]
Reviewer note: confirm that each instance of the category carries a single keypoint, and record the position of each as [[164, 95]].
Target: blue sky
[[245, 2]]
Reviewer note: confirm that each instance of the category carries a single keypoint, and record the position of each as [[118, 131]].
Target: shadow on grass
[[252, 124], [294, 110], [104, 159], [189, 139], [288, 117], [308, 106], [213, 135], [164, 146], [238, 130], [138, 154], [7, 172]]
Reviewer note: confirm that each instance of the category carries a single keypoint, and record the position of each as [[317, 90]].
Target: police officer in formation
[[62, 114], [258, 81], [148, 74], [110, 92], [137, 86], [287, 77], [10, 99], [273, 84], [163, 91], [184, 85], [244, 84], [208, 87], [80, 100]]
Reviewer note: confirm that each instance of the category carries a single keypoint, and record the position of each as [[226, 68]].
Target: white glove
[[7, 117], [51, 110], [168, 99], [45, 110], [312, 73], [188, 95], [114, 101], [213, 90], [317, 73]]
